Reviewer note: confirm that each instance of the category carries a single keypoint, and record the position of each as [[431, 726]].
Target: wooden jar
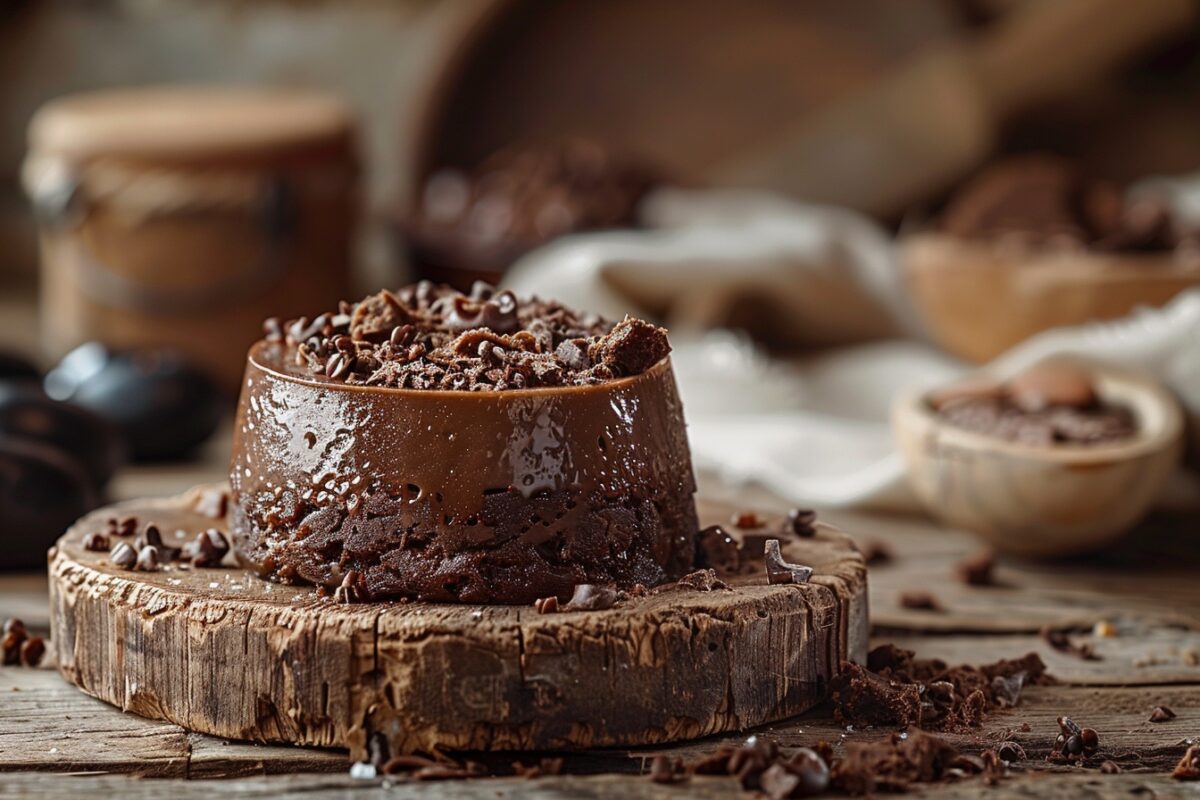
[[184, 216]]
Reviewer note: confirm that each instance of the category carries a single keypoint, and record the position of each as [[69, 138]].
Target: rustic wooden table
[[1148, 587]]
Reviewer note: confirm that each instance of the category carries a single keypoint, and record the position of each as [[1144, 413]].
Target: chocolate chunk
[[664, 769], [207, 550], [1162, 714], [702, 580], [802, 522], [875, 552], [592, 597], [96, 542], [32, 650], [123, 556], [1188, 768], [632, 347], [716, 549], [780, 571], [977, 570]]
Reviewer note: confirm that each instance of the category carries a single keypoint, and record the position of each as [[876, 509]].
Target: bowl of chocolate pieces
[[1032, 243], [1059, 459]]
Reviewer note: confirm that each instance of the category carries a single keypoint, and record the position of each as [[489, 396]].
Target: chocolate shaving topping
[[780, 571], [432, 337]]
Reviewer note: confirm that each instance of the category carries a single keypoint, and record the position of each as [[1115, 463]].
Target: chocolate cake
[[476, 448]]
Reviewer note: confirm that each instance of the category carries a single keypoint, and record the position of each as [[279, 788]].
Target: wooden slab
[[220, 651]]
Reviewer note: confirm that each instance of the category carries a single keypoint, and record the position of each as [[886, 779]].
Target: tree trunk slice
[[220, 651]]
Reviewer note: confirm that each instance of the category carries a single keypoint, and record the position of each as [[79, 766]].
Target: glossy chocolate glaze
[[468, 496]]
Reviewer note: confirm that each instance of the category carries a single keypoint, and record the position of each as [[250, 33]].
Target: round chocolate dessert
[[466, 448]]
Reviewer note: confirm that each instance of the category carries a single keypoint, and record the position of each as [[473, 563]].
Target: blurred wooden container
[[184, 216], [977, 299]]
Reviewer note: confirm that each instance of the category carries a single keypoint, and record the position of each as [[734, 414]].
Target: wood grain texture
[[220, 651]]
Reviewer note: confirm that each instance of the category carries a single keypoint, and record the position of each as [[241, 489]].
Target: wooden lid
[[192, 123]]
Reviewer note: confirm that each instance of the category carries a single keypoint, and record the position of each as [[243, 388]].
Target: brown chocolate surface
[[472, 496], [1049, 404]]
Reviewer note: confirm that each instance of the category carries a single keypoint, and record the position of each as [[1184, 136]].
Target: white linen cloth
[[813, 429]]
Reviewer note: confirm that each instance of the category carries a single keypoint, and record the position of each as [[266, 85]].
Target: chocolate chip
[[153, 538], [14, 625], [801, 521], [208, 549], [32, 650], [96, 542], [1162, 714], [123, 556], [147, 559], [976, 570], [812, 770], [592, 597], [546, 605], [780, 571]]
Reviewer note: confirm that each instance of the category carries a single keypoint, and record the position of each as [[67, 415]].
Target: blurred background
[[827, 201]]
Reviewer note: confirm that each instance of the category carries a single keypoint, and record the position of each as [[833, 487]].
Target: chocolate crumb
[[1162, 714], [976, 570], [802, 522], [1188, 768], [546, 605], [32, 650], [1110, 768], [1059, 640], [875, 552], [918, 600], [1073, 743], [746, 520], [702, 580], [664, 769], [780, 571], [592, 597]]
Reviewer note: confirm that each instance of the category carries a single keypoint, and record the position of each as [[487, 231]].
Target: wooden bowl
[[1036, 500], [978, 299]]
